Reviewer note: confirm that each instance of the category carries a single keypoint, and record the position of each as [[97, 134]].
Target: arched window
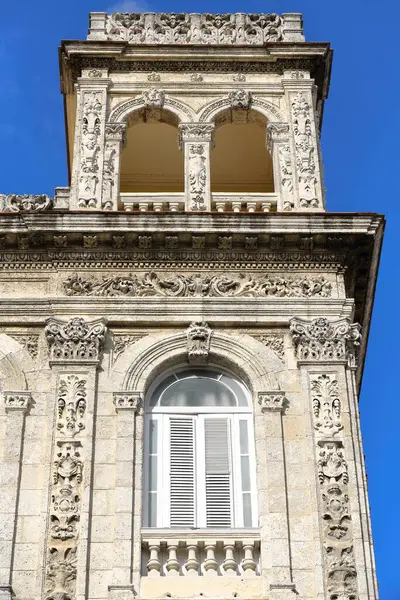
[[199, 452]]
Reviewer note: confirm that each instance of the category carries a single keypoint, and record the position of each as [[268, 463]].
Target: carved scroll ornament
[[26, 202], [75, 340], [200, 284]]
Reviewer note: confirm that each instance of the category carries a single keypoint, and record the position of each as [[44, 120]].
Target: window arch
[[199, 451]]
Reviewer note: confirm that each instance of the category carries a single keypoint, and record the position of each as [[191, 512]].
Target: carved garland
[[199, 285]]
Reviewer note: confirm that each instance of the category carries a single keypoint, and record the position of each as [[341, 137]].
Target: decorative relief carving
[[200, 284], [332, 466], [196, 132], [198, 342], [153, 98], [240, 99], [75, 340], [183, 28], [322, 339], [305, 150], [90, 149], [272, 401], [197, 176], [71, 403], [122, 342], [326, 404], [154, 77], [17, 401], [61, 574], [239, 77], [28, 202], [274, 342], [29, 342], [128, 401]]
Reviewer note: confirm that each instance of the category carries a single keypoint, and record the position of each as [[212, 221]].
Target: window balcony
[[200, 552]]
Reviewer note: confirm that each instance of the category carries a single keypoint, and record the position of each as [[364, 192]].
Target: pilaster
[[326, 351], [89, 146], [16, 406], [300, 98], [128, 405], [280, 146], [114, 142], [75, 352], [273, 405], [196, 140]]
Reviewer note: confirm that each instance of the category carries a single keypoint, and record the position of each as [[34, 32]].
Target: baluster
[[192, 564], [236, 205], [154, 564], [210, 564], [266, 206], [172, 564], [251, 206], [220, 205], [229, 565], [143, 206], [174, 206], [157, 206], [248, 564]]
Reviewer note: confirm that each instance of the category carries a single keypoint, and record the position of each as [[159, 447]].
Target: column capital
[[196, 132], [322, 340], [75, 341], [115, 131], [274, 401], [17, 401], [132, 401]]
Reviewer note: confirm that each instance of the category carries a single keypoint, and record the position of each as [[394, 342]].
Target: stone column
[[196, 140], [279, 144], [326, 350], [89, 143], [114, 142], [16, 406], [281, 588], [75, 352], [127, 405], [309, 188]]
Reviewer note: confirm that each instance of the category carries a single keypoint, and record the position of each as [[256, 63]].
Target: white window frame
[[162, 414]]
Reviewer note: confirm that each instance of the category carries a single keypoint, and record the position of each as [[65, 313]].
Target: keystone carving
[[322, 339], [198, 342], [75, 340], [153, 98], [240, 99]]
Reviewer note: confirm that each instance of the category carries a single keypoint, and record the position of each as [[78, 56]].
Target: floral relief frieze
[[200, 285]]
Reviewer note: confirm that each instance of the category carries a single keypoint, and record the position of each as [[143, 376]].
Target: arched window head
[[199, 452]]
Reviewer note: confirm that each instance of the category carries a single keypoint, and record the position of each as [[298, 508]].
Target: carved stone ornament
[[183, 28], [325, 340], [332, 466], [128, 401], [116, 131], [326, 405], [75, 340], [274, 342], [240, 99], [201, 284], [122, 342], [272, 401], [29, 342], [198, 342], [28, 202], [153, 98], [71, 405], [61, 574], [17, 401], [196, 132], [88, 193]]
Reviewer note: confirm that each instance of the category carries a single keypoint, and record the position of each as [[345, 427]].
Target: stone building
[[183, 328]]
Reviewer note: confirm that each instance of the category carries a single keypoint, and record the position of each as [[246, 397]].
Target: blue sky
[[360, 150]]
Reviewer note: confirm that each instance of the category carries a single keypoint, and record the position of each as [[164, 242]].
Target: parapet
[[239, 29]]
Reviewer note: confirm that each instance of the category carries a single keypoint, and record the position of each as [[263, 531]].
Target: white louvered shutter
[[218, 472], [182, 472]]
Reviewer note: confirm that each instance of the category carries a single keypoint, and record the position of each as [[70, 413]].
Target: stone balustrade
[[196, 29], [207, 553], [174, 202]]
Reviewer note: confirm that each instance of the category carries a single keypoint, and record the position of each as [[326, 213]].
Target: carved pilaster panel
[[114, 141], [87, 172], [196, 140]]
